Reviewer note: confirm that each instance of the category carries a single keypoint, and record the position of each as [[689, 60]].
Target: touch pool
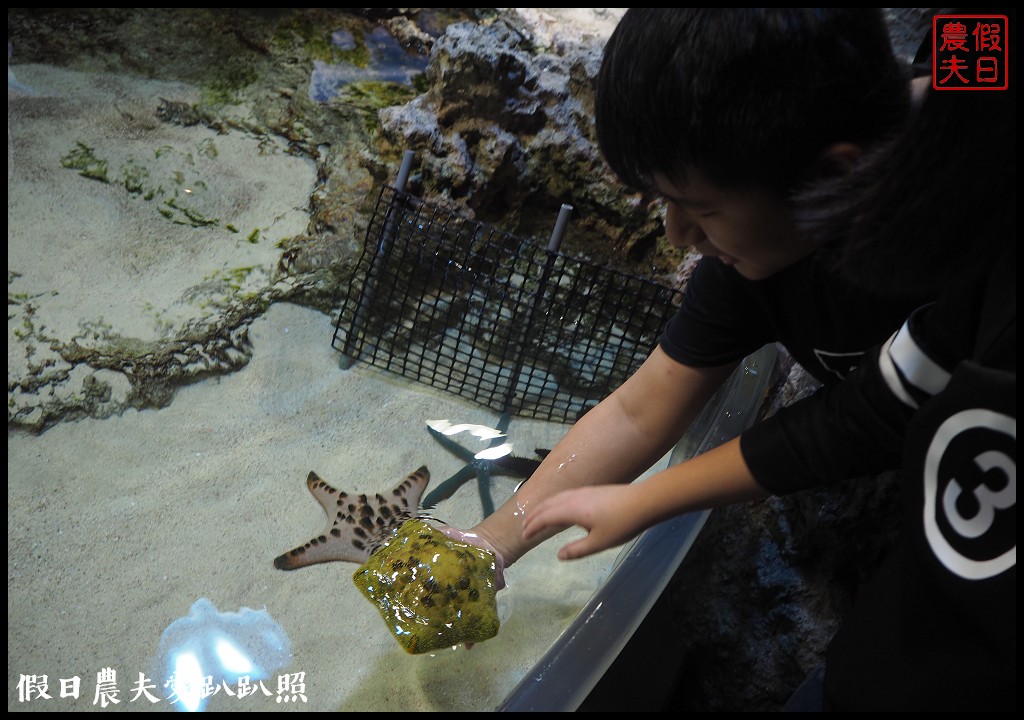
[[141, 249]]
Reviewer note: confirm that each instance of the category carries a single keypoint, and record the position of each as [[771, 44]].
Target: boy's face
[[746, 229]]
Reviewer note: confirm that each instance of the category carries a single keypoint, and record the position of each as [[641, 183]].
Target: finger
[[554, 512], [538, 522], [578, 549]]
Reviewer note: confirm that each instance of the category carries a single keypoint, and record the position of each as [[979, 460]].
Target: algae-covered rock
[[432, 591]]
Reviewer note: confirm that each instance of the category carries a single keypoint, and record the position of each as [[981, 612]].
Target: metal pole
[[368, 293], [552, 250]]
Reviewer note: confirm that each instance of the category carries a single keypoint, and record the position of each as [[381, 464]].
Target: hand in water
[[433, 589], [473, 538]]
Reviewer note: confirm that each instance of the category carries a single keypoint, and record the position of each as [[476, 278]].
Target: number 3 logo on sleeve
[[963, 503]]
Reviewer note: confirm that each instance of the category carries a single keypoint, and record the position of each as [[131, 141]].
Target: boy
[[936, 627], [727, 114]]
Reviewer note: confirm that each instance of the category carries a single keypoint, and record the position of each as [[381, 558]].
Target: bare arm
[[614, 443], [611, 515]]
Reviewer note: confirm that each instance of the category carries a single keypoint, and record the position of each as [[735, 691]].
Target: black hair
[[923, 207], [748, 97]]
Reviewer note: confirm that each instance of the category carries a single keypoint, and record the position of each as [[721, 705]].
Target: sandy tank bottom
[[116, 527]]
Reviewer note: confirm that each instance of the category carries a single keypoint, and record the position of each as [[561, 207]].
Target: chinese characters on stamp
[[969, 52]]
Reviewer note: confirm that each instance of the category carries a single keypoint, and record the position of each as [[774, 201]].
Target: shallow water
[[117, 525]]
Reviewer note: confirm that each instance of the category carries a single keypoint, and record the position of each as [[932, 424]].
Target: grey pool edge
[[561, 680]]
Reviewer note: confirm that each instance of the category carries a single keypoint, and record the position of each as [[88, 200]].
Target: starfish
[[357, 525], [481, 468]]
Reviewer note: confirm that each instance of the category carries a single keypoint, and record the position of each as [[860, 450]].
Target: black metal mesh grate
[[495, 318]]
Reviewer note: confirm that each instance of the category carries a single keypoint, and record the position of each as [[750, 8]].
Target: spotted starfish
[[357, 525]]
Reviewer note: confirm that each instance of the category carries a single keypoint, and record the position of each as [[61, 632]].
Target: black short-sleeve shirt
[[823, 323]]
